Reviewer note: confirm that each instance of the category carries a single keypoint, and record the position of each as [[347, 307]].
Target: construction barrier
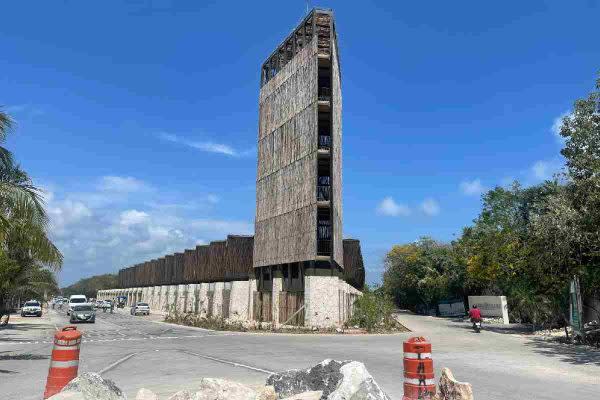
[[419, 380], [65, 360]]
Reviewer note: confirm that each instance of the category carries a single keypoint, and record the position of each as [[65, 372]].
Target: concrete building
[[297, 269]]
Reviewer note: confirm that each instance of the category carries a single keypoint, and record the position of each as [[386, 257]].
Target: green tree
[[422, 272], [27, 255], [90, 286]]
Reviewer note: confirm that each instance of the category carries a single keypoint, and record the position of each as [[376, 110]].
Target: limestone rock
[[314, 395], [221, 389], [182, 395], [266, 393], [67, 396], [92, 386], [337, 380], [357, 384], [145, 394], [451, 389]]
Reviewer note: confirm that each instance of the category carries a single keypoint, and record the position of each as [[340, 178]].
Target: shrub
[[373, 311]]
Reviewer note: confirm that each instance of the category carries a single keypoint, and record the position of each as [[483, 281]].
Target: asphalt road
[[142, 352]]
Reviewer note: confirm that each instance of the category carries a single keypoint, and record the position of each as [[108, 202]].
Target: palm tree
[[27, 255]]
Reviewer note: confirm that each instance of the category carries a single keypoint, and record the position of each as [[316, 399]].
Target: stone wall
[[328, 299]]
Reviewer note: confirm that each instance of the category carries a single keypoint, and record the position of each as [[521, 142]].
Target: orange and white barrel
[[64, 362], [419, 380]]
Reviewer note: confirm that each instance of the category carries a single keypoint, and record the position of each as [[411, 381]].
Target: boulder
[[182, 395], [90, 386], [67, 396], [451, 389], [337, 380], [221, 389], [145, 394], [306, 396], [266, 393]]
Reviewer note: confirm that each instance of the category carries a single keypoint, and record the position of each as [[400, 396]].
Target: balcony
[[323, 247], [324, 142], [324, 94], [323, 192]]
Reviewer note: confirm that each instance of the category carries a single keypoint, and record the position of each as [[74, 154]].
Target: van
[[75, 300]]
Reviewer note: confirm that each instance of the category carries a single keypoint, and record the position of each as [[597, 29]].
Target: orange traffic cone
[[419, 380], [65, 360]]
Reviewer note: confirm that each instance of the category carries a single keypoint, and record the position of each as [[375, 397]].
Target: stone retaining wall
[[328, 299]]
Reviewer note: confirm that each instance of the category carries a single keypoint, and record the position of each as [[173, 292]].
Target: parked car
[[75, 300], [140, 308], [32, 307], [83, 313]]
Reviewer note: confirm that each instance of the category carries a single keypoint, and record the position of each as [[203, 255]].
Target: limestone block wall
[[218, 299], [321, 300], [238, 303], [203, 300], [328, 299]]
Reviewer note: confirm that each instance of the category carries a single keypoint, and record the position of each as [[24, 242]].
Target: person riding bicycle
[[475, 314]]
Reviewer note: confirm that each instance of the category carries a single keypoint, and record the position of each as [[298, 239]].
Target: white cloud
[[557, 124], [133, 217], [100, 236], [544, 170], [472, 188], [122, 184], [207, 146], [390, 208], [430, 207]]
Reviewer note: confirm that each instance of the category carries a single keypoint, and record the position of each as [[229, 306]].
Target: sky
[[139, 118]]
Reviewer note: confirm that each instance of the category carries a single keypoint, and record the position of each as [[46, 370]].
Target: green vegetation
[[373, 311], [526, 243], [27, 256], [90, 286]]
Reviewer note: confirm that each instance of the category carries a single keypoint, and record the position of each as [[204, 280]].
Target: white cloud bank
[[98, 237]]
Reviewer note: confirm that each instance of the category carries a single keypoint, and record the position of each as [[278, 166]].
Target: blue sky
[[140, 118]]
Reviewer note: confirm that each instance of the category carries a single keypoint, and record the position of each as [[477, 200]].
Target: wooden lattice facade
[[299, 174]]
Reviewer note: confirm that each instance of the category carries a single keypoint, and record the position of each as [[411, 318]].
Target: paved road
[[137, 351]]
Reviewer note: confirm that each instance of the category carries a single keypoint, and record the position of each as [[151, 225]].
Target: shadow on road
[[573, 354], [24, 356]]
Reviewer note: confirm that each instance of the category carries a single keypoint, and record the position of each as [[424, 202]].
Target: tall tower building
[[298, 228]]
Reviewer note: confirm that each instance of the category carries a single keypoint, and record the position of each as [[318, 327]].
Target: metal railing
[[323, 193], [324, 142], [323, 247], [324, 93]]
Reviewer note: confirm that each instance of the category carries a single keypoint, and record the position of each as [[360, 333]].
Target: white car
[[32, 307], [74, 300], [140, 308]]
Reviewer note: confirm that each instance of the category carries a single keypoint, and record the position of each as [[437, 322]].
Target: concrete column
[[251, 290], [181, 298], [321, 299], [218, 300], [172, 298], [238, 304], [203, 299], [277, 288]]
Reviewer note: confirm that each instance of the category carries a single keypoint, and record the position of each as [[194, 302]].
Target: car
[[140, 308], [99, 304], [75, 300], [82, 313], [31, 307]]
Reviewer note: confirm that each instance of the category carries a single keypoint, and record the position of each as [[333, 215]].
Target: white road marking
[[235, 364], [119, 361]]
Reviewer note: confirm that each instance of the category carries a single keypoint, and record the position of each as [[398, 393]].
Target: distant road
[[138, 352]]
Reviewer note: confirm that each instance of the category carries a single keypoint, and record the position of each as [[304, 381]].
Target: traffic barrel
[[65, 360], [419, 380]]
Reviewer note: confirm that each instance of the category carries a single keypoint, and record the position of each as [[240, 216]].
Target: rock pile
[[328, 380]]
